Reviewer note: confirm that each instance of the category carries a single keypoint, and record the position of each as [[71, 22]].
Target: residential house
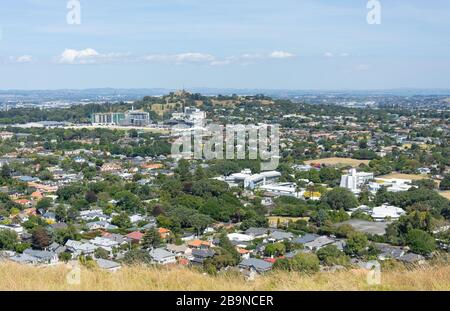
[[188, 236], [43, 257], [108, 265], [24, 259], [199, 244], [56, 248], [257, 233], [200, 255], [162, 256], [164, 233], [255, 264], [307, 238], [78, 248], [136, 218], [318, 243], [245, 253], [239, 237], [105, 243], [388, 251], [276, 236], [16, 228], [182, 251], [135, 236], [96, 225], [120, 239]]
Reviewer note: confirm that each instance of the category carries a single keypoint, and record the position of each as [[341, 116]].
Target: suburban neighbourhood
[[97, 185]]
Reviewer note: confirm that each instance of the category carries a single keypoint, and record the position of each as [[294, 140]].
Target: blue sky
[[282, 44]]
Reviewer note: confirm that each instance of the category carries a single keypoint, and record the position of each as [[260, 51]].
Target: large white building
[[190, 115], [129, 118], [282, 189], [385, 211], [251, 181], [391, 184], [355, 180]]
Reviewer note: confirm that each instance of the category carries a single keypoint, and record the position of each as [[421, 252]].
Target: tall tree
[[151, 239], [41, 238]]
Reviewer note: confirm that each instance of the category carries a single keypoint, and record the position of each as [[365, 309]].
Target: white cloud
[[281, 54], [194, 58], [21, 59], [70, 56], [345, 54], [182, 58], [89, 56], [329, 54]]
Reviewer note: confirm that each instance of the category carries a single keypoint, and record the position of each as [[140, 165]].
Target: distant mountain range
[[121, 94]]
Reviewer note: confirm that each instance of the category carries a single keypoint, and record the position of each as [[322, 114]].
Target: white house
[[136, 218], [105, 243], [239, 237], [80, 248], [16, 228], [108, 265], [162, 257], [95, 225]]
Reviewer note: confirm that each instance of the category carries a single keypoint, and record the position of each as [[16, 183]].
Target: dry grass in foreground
[[22, 277]]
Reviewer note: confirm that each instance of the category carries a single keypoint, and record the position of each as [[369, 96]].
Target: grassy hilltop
[[21, 277]]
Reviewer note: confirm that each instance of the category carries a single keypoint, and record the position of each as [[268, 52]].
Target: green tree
[[8, 239], [226, 244], [303, 262], [183, 170], [128, 201], [421, 242], [356, 243], [331, 255], [275, 249], [151, 239], [44, 203], [101, 253], [5, 172], [65, 257], [340, 198], [445, 184], [122, 221]]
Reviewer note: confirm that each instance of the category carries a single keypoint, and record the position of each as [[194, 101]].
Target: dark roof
[[306, 238], [203, 253], [256, 231], [257, 264]]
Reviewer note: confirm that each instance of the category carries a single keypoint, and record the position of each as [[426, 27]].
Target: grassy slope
[[21, 277]]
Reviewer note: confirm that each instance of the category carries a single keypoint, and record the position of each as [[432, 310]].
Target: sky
[[270, 44]]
